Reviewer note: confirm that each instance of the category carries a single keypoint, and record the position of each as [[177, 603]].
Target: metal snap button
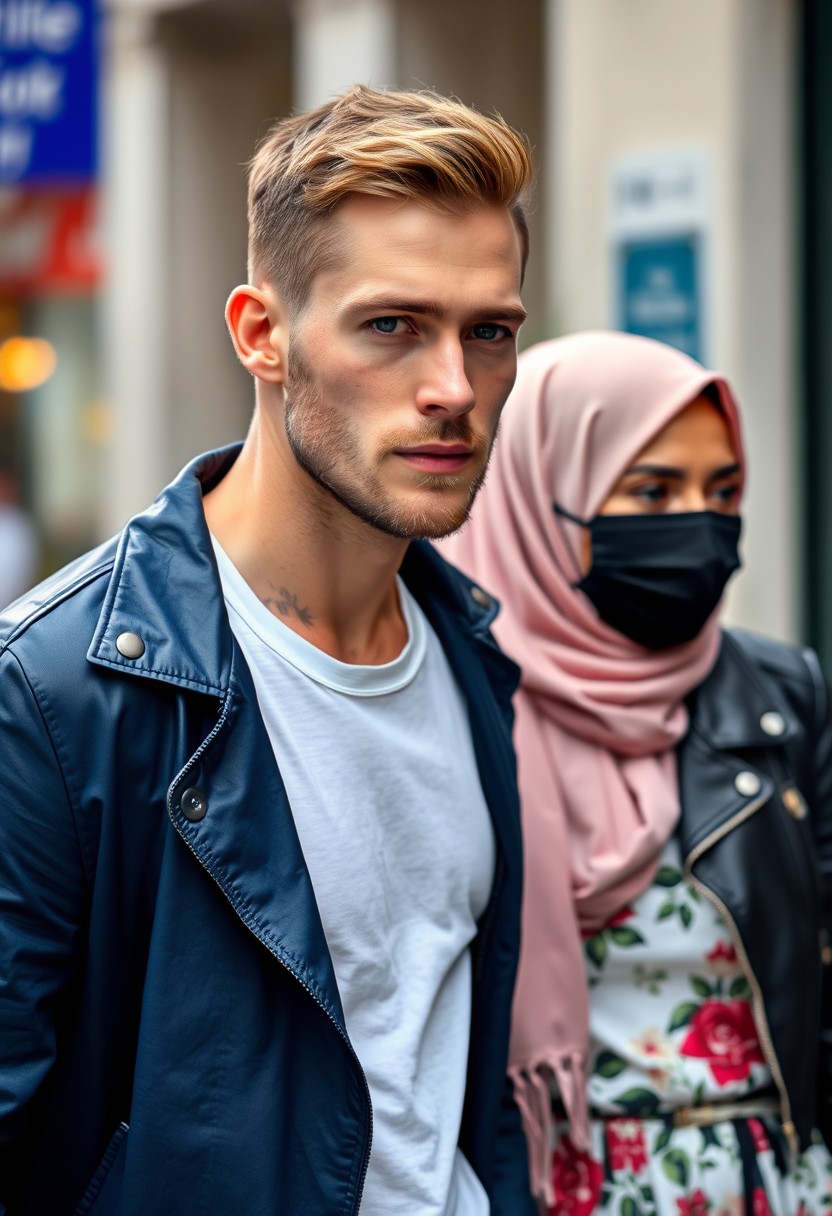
[[773, 724], [194, 804], [748, 784], [480, 597], [130, 645]]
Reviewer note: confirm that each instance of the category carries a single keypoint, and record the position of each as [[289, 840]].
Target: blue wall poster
[[48, 91], [660, 291]]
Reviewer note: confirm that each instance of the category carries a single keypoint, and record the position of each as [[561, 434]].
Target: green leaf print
[[701, 987], [629, 1206], [667, 876], [623, 936], [639, 1102], [682, 1015], [685, 916], [676, 1166], [666, 910], [651, 980], [596, 950], [609, 1065], [662, 1140], [740, 988]]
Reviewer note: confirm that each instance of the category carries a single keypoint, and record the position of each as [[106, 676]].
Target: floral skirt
[[648, 1167]]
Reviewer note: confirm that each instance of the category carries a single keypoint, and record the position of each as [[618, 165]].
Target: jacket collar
[[165, 589], [737, 706], [721, 779]]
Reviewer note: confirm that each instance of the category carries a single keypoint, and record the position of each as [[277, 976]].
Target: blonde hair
[[410, 145]]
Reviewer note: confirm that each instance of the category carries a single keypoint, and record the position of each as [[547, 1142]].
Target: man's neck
[[323, 572]]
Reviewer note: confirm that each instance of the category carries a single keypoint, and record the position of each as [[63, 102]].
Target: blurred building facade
[[681, 153]]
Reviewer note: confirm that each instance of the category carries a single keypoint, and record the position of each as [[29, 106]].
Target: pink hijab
[[598, 716]]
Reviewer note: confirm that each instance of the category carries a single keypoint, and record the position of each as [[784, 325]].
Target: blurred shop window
[[50, 411], [18, 541], [52, 420]]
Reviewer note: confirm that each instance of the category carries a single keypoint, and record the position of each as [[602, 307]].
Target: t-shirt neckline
[[363, 680]]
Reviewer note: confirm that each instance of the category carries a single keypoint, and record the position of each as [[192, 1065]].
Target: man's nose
[[445, 388]]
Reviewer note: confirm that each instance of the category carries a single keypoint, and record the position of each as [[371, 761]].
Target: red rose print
[[723, 1034], [759, 1203], [626, 1145], [576, 1179], [723, 957], [758, 1135], [696, 1204]]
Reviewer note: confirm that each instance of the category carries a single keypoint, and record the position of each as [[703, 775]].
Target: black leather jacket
[[755, 774]]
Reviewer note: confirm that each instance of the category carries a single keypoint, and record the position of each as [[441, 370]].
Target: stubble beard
[[323, 446]]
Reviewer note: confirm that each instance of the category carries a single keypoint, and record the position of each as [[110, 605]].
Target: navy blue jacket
[[171, 1035]]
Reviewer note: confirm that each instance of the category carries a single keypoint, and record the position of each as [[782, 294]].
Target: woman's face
[[690, 465]]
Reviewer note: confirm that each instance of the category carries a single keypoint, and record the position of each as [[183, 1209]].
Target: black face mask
[[657, 578]]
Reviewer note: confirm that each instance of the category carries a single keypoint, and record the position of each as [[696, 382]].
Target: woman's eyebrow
[[656, 470], [671, 472], [727, 470]]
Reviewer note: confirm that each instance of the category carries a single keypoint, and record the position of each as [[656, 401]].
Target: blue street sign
[[659, 290], [48, 91]]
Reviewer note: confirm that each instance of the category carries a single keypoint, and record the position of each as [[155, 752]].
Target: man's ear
[[256, 319]]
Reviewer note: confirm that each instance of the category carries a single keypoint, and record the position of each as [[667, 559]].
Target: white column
[[185, 103], [134, 315], [342, 42]]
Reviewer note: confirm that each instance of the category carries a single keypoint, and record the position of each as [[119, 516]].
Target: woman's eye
[[386, 325], [726, 494], [489, 332], [654, 492]]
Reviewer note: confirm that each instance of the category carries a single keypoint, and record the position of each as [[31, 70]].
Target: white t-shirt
[[379, 768]]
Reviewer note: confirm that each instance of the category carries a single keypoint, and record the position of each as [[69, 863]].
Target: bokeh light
[[26, 363]]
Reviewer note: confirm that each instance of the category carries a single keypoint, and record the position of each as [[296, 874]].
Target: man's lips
[[437, 457]]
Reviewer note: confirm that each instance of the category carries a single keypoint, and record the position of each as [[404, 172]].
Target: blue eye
[[385, 325], [489, 332]]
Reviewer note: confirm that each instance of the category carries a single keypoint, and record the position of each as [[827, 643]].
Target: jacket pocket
[[102, 1196]]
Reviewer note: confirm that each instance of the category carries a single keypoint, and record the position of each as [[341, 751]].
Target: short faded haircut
[[408, 145]]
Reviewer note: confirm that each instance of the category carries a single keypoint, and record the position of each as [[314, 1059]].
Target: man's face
[[401, 360]]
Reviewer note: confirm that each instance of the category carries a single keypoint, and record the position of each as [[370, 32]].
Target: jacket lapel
[[719, 782], [165, 591], [461, 614]]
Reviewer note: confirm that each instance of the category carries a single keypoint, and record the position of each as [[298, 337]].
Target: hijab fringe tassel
[[533, 1095]]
